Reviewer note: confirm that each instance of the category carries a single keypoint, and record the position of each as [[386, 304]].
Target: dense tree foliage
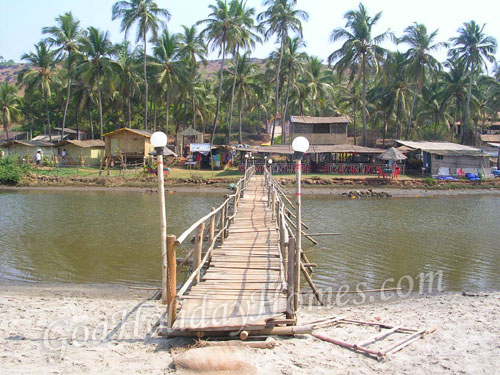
[[76, 78]]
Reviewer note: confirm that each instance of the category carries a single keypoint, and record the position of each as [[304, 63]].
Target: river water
[[113, 237]]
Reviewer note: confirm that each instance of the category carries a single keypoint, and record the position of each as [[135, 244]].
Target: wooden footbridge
[[246, 268]]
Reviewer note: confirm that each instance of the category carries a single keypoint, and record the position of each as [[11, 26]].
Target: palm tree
[[168, 65], [317, 83], [280, 18], [97, 64], [146, 14], [475, 49], [40, 74], [192, 48], [359, 48], [9, 104], [420, 60], [129, 78], [293, 62], [65, 36], [219, 32], [246, 84], [245, 38], [453, 87]]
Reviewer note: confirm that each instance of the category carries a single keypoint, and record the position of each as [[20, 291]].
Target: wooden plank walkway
[[244, 286]]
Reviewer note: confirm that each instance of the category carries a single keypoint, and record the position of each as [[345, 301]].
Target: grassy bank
[[138, 178]]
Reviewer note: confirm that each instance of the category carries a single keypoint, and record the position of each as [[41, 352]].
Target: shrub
[[10, 173], [430, 181]]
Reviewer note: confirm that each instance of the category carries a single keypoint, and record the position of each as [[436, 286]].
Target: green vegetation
[[430, 181], [78, 79], [10, 172]]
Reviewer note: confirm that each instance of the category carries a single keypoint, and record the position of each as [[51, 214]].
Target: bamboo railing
[[214, 226], [294, 263]]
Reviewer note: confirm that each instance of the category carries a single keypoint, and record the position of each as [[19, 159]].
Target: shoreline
[[395, 192], [77, 329]]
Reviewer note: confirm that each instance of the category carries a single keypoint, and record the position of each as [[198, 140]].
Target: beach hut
[[128, 144], [446, 158], [185, 138], [320, 130], [27, 149], [83, 153]]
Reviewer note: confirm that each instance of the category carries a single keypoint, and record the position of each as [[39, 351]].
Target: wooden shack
[[27, 149], [128, 144], [82, 153], [320, 130], [185, 138], [446, 158]]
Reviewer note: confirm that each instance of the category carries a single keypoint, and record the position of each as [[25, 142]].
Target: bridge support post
[[291, 297], [198, 245], [222, 224], [274, 204], [172, 279], [211, 228]]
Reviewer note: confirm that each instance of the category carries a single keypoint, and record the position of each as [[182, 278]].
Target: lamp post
[[253, 160], [247, 155], [159, 141], [270, 162], [299, 146]]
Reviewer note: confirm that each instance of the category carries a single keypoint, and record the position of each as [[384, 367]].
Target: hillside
[[9, 72]]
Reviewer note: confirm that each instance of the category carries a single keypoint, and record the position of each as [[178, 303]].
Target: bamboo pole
[[290, 291], [172, 279], [222, 224], [198, 245], [211, 229], [163, 219], [377, 337], [311, 283]]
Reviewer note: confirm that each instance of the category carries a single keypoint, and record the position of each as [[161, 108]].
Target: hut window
[[302, 128], [337, 129], [321, 128], [438, 157]]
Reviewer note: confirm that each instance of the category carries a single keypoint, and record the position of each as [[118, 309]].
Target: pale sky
[[21, 20]]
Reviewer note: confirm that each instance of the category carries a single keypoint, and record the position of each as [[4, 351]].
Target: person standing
[[38, 158]]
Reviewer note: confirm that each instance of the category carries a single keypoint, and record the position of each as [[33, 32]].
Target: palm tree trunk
[[285, 109], [220, 92], [236, 56], [276, 97], [48, 116], [5, 125], [167, 110], [240, 123], [408, 128], [66, 107], [355, 108], [100, 104], [467, 106], [77, 123], [129, 109], [90, 122], [386, 123], [455, 114], [145, 85], [364, 100], [154, 121], [193, 107]]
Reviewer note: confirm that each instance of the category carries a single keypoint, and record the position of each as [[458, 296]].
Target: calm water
[[109, 237]]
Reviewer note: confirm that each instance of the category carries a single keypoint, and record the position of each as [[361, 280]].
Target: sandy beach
[[61, 329]]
